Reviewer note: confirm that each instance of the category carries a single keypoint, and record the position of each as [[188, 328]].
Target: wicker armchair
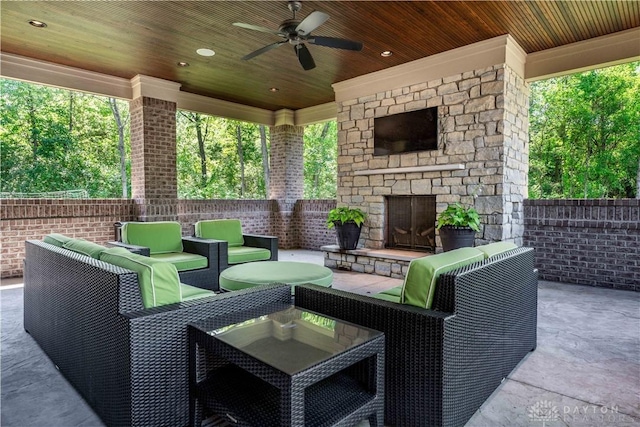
[[129, 363], [442, 364], [205, 277]]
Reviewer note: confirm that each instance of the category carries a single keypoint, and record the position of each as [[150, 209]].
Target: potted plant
[[458, 225], [348, 223]]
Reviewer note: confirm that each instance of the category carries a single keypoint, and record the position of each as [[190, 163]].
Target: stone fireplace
[[482, 155], [410, 223]]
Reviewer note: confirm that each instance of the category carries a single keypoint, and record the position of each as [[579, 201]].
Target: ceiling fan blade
[[260, 51], [311, 22], [257, 28], [304, 56], [335, 43]]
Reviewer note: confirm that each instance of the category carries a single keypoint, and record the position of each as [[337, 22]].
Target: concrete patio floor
[[584, 372]]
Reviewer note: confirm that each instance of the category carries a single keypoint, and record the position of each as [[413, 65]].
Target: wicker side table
[[287, 368]]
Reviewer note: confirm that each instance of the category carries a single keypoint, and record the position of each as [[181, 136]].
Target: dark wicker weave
[[206, 278], [129, 363], [340, 391], [441, 366]]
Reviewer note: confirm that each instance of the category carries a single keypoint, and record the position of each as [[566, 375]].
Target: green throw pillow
[[56, 239], [420, 283], [229, 230], [159, 281], [493, 249], [160, 237], [84, 247]]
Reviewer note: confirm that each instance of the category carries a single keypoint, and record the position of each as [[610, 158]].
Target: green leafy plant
[[457, 215], [345, 214]]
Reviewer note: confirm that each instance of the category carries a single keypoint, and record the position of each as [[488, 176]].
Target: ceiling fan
[[297, 33]]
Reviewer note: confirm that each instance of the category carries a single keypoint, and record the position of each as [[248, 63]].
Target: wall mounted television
[[406, 132]]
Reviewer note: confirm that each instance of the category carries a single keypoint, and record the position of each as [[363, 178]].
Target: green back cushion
[[493, 249], [159, 282], [229, 230], [56, 239], [420, 283], [160, 237], [84, 247]]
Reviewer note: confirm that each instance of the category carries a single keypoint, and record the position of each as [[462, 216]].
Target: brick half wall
[[588, 242], [26, 219]]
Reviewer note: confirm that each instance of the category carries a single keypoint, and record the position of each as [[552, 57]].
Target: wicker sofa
[[129, 363], [442, 364]]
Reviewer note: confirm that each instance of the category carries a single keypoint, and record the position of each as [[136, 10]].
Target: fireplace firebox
[[410, 222]]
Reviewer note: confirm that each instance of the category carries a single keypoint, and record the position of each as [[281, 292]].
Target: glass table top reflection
[[293, 340]]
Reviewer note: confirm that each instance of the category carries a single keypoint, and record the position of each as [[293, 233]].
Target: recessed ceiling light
[[37, 24], [183, 64], [274, 89], [205, 52], [386, 53]]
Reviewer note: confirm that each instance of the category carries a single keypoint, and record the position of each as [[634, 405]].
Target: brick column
[[286, 181], [153, 149]]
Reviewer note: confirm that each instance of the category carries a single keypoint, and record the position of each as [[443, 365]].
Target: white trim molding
[[612, 49], [231, 110], [316, 114], [50, 74], [152, 87], [410, 169], [284, 117]]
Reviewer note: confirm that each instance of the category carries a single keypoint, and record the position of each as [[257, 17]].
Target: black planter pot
[[348, 235], [457, 237]]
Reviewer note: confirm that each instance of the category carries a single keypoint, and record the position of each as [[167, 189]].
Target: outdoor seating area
[[559, 374]]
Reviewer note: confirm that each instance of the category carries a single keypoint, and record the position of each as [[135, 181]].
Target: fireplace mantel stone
[[429, 168]]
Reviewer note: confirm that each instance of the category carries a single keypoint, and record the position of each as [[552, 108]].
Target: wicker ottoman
[[251, 274]]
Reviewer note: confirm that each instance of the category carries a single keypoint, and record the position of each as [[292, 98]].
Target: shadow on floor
[[584, 372]]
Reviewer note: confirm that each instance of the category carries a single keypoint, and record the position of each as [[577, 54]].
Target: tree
[[53, 140], [585, 138], [120, 126], [320, 160]]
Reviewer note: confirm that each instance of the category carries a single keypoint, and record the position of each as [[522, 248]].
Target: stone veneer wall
[[588, 242], [483, 119]]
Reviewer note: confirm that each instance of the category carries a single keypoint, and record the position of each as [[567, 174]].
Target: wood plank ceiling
[[126, 38]]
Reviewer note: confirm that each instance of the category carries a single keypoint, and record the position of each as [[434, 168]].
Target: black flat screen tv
[[406, 132]]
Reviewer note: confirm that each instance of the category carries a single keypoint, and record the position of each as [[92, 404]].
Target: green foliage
[[223, 179], [320, 160], [457, 215], [585, 134], [345, 214], [53, 139]]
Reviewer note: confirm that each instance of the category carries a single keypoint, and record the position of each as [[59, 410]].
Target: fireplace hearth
[[410, 223]]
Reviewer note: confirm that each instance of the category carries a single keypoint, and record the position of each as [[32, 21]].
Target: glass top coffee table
[[291, 367]]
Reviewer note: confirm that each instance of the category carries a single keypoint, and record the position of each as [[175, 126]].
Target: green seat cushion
[[240, 254], [420, 283], [493, 249], [160, 237], [56, 239], [192, 292], [243, 276], [229, 230], [84, 247], [183, 260], [158, 280]]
